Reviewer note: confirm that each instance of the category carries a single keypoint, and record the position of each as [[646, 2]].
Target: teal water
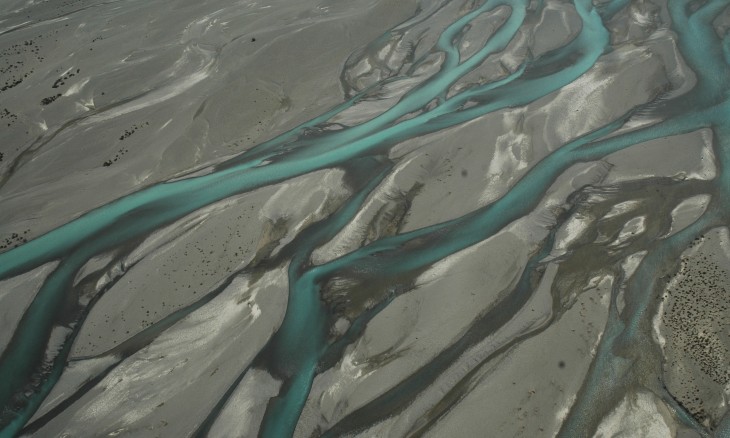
[[300, 344]]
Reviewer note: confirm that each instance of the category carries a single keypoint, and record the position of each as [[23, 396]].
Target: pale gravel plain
[[162, 91]]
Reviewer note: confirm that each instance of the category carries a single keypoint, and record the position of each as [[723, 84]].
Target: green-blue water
[[300, 344]]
